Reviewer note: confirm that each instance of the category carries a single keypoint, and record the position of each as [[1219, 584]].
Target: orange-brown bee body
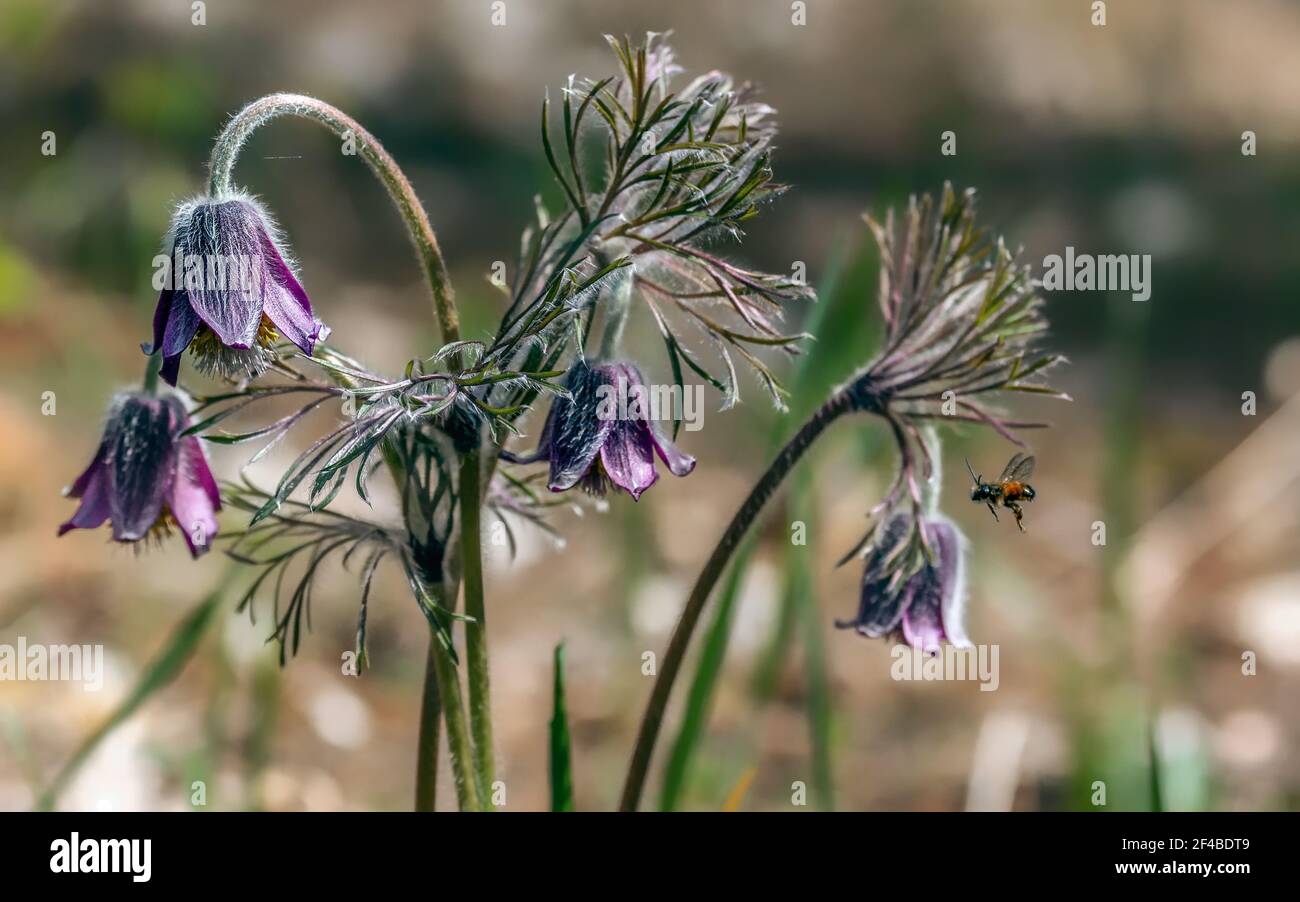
[[1015, 490]]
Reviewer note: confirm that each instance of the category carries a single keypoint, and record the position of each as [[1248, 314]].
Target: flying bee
[[1011, 488]]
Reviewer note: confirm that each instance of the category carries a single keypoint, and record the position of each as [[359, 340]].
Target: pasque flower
[[230, 293], [926, 608], [602, 433], [146, 476]]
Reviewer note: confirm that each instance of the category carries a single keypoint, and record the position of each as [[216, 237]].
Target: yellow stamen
[[211, 356], [206, 342]]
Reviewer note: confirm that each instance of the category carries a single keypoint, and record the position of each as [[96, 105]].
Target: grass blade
[[161, 671], [800, 583], [700, 700], [561, 746]]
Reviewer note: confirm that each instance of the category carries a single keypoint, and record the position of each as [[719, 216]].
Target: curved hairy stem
[[261, 111], [839, 403], [441, 685]]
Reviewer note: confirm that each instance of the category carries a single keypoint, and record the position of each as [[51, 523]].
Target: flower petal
[[161, 314], [140, 465], [92, 489], [79, 487], [223, 268], [577, 431], [680, 463], [174, 326], [284, 301], [628, 457], [171, 369], [881, 602], [294, 324], [194, 499], [880, 610], [182, 324], [950, 547], [923, 618], [926, 622]]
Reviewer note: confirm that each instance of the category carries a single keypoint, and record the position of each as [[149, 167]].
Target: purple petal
[[288, 316], [926, 622], [82, 483], [923, 621], [949, 547], [229, 232], [629, 371], [92, 488], [194, 499], [285, 301], [141, 464], [880, 611], [174, 327], [170, 369], [881, 603], [679, 463], [161, 314], [628, 457], [576, 431], [182, 325]]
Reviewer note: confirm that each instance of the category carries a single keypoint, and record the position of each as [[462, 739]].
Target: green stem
[[458, 744], [480, 702], [426, 757], [426, 768], [151, 368], [441, 692], [242, 125], [839, 403]]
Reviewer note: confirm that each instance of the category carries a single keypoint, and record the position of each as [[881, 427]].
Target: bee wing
[[1019, 468], [1010, 468]]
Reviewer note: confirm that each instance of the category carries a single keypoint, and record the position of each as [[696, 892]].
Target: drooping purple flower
[[230, 293], [602, 433], [146, 476], [926, 608]]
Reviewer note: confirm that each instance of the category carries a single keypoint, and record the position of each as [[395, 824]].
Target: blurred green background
[[1120, 663]]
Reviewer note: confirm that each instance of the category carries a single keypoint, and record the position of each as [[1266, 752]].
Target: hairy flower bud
[[594, 438], [230, 293], [925, 608], [146, 475]]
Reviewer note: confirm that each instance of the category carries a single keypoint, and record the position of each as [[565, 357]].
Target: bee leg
[[992, 510], [1015, 509]]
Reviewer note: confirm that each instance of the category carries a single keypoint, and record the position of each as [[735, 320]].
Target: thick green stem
[[458, 744], [259, 112], [426, 765], [480, 701], [840, 403]]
